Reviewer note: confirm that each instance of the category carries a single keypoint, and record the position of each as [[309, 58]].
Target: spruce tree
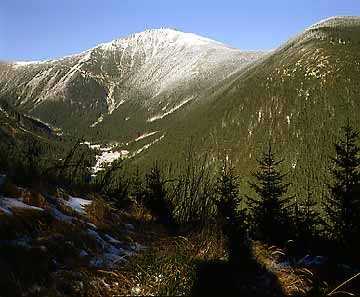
[[227, 192], [306, 219], [343, 204], [155, 196], [227, 201], [268, 211], [137, 187]]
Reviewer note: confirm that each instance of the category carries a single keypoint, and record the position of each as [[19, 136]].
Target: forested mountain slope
[[297, 98]]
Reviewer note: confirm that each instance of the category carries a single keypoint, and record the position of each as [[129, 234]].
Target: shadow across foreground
[[241, 275]]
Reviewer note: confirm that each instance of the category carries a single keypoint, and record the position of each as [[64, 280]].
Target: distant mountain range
[[131, 83], [158, 91]]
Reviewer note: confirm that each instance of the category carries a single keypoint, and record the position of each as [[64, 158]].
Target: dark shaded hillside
[[11, 117], [30, 148], [297, 97]]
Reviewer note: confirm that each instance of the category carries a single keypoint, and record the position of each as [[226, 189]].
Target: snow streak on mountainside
[[146, 76], [155, 92], [297, 98]]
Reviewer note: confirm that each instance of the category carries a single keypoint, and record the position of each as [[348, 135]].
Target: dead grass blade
[[335, 291]]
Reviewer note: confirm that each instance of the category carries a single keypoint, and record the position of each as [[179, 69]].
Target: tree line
[[194, 199], [189, 196]]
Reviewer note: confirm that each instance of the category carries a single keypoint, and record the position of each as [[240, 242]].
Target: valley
[[162, 162]]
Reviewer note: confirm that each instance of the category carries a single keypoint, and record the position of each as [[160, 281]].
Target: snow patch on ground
[[107, 155], [110, 252], [58, 215], [106, 158], [77, 204], [6, 204], [113, 256], [5, 210]]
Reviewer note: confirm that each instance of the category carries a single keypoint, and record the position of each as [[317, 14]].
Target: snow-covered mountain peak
[[155, 39], [161, 37], [147, 76], [172, 35]]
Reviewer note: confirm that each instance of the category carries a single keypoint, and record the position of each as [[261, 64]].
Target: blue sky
[[45, 29]]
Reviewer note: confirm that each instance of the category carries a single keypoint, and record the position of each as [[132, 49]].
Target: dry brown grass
[[10, 190], [168, 264], [295, 281], [340, 288], [99, 211], [35, 199]]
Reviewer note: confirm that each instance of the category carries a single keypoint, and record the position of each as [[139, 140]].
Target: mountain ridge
[[141, 72], [297, 98], [236, 105], [114, 41]]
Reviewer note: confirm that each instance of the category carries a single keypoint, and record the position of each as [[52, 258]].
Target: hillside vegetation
[[176, 165], [296, 98]]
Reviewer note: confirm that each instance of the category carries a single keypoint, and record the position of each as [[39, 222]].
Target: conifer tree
[[306, 219], [343, 204], [227, 191], [155, 196], [137, 189], [269, 213], [228, 199]]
